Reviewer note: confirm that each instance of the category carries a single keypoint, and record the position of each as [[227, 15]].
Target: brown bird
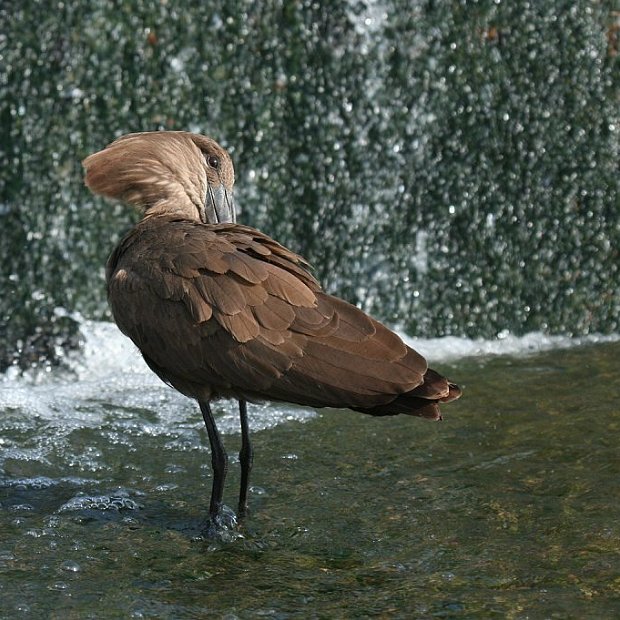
[[222, 310]]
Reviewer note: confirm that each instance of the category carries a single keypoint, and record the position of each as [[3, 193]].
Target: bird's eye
[[213, 161]]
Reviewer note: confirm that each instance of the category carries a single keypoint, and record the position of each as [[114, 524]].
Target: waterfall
[[451, 167]]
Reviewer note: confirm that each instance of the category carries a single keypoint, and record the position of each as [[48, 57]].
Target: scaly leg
[[219, 461], [246, 456]]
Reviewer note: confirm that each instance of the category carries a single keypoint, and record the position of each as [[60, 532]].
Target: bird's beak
[[219, 205]]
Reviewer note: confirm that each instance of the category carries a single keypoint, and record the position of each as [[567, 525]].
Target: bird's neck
[[177, 207]]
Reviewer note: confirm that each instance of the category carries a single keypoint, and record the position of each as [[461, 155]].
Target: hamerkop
[[222, 310]]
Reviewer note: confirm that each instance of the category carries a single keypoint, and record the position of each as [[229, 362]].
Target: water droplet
[[70, 566], [59, 585]]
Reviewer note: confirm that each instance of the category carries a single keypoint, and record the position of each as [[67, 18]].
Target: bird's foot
[[222, 525]]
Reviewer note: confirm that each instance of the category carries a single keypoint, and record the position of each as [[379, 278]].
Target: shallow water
[[508, 508]]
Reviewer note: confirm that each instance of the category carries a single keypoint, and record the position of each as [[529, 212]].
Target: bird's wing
[[228, 307]]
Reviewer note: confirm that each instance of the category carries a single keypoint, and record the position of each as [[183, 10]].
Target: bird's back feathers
[[224, 310]]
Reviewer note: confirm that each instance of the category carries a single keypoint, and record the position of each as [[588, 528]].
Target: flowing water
[[508, 508]]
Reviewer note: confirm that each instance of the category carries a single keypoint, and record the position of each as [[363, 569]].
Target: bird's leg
[[219, 462], [246, 456]]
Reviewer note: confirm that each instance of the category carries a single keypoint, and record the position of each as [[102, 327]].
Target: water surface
[[508, 508]]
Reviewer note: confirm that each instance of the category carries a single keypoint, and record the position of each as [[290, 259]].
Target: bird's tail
[[422, 401]]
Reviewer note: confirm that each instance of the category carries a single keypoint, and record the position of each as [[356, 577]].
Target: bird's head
[[166, 172]]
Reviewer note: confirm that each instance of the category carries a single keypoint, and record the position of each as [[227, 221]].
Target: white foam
[[452, 348]]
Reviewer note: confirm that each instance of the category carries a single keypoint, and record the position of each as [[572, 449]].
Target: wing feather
[[228, 308]]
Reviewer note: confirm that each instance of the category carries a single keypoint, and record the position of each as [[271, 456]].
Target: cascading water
[[451, 167]]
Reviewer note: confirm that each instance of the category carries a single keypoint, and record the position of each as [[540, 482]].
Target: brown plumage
[[222, 310]]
